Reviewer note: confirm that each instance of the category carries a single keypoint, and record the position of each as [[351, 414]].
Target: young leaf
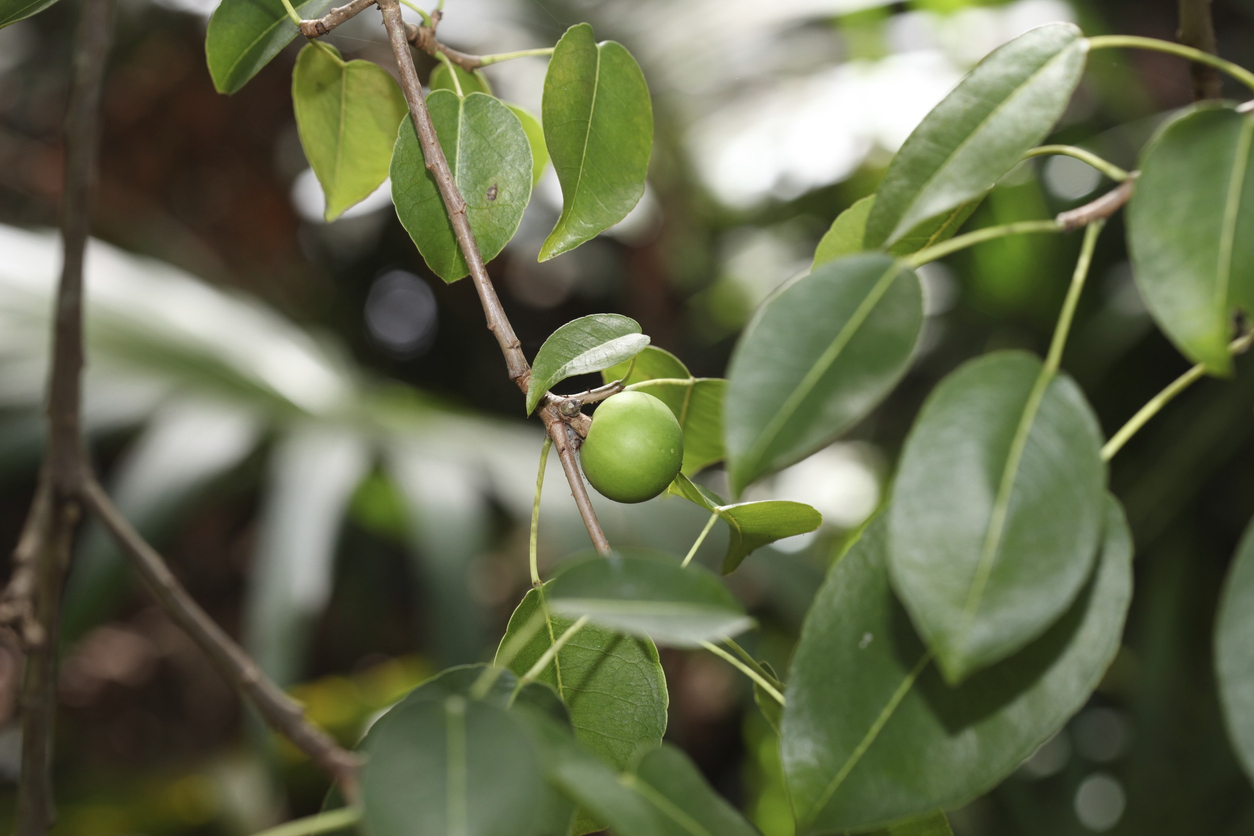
[[347, 114], [650, 364], [598, 126], [698, 406], [535, 135], [584, 345], [848, 231], [442, 79], [796, 380], [752, 524], [980, 131], [997, 512], [1234, 652], [647, 594], [11, 11], [1191, 230], [872, 734], [244, 35], [490, 157]]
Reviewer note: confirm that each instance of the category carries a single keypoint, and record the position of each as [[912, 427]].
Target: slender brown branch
[[17, 604], [423, 37], [1101, 208], [563, 443], [340, 14], [236, 666], [1197, 29]]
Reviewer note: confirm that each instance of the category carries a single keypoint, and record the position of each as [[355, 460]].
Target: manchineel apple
[[634, 447]]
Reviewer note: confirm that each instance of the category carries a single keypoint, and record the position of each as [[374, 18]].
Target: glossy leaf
[[646, 594], [11, 11], [347, 114], [997, 514], [1191, 230], [752, 525], [698, 406], [244, 35], [847, 233], [490, 157], [1234, 652], [872, 734], [442, 79], [581, 346], [980, 131], [797, 380], [598, 126], [650, 364], [535, 136]]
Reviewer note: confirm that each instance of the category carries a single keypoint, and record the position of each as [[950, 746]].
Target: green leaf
[[997, 514], [1191, 230], [846, 235], [980, 131], [872, 734], [535, 136], [698, 406], [650, 364], [442, 79], [797, 380], [11, 11], [768, 705], [648, 594], [934, 824], [347, 115], [752, 524], [1234, 652], [490, 158], [584, 345], [245, 34], [598, 126]]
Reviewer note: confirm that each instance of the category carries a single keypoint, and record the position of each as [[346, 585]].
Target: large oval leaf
[[244, 35], [872, 734], [581, 346], [598, 125], [997, 511], [347, 115], [1191, 230], [652, 363], [490, 157], [648, 594], [11, 11], [846, 235], [1234, 652], [817, 358], [980, 131]]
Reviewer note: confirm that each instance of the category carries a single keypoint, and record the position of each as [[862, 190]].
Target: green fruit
[[634, 447]]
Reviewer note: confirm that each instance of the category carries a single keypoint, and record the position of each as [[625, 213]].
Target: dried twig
[[340, 14]]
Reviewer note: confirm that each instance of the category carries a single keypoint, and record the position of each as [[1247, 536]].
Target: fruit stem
[[535, 512], [700, 539]]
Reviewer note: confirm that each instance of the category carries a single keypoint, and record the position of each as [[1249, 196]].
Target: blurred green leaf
[[846, 234], [872, 734], [698, 406], [490, 157], [598, 126], [980, 131], [650, 364], [535, 135], [796, 381], [11, 11], [244, 35], [933, 824], [768, 705], [1234, 652], [581, 346], [997, 509], [442, 79]]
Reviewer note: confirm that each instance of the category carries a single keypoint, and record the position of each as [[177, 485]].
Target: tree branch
[[237, 667], [423, 37], [1101, 208], [322, 25], [1197, 29]]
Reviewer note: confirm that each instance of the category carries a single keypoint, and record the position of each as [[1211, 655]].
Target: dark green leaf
[[245, 34], [535, 135], [11, 11], [648, 594], [1191, 230], [698, 406], [798, 380], [347, 115], [588, 344], [872, 734], [598, 126], [1234, 652], [997, 513], [488, 152], [442, 79], [768, 705], [651, 364], [934, 824], [980, 131]]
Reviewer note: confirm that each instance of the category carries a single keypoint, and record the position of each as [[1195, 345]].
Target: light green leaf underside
[[980, 131], [598, 126], [490, 157], [1191, 230], [1234, 652], [244, 35], [651, 364], [904, 743], [11, 11], [535, 135], [796, 381], [582, 346], [997, 514]]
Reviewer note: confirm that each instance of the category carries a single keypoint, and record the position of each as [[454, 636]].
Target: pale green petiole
[[989, 233], [535, 512], [292, 13], [332, 820], [746, 670], [426, 18], [700, 539], [1239, 73], [1106, 167], [1073, 296], [452, 70], [485, 60]]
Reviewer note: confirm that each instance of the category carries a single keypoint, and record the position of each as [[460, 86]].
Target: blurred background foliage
[[321, 436]]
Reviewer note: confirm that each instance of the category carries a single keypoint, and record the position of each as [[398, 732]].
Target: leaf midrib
[[1232, 208], [230, 71], [583, 155]]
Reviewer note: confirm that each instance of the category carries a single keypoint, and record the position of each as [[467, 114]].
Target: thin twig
[[17, 608], [566, 455], [1101, 208], [1197, 29], [320, 26], [423, 37], [236, 666]]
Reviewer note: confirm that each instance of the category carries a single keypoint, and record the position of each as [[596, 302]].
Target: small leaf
[[535, 135], [1234, 652], [698, 406], [490, 158], [753, 524], [651, 364], [347, 116], [11, 11], [845, 237], [997, 514], [598, 126], [1191, 230], [584, 345], [647, 594], [796, 380], [244, 35], [872, 734], [768, 705], [442, 79], [980, 131]]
